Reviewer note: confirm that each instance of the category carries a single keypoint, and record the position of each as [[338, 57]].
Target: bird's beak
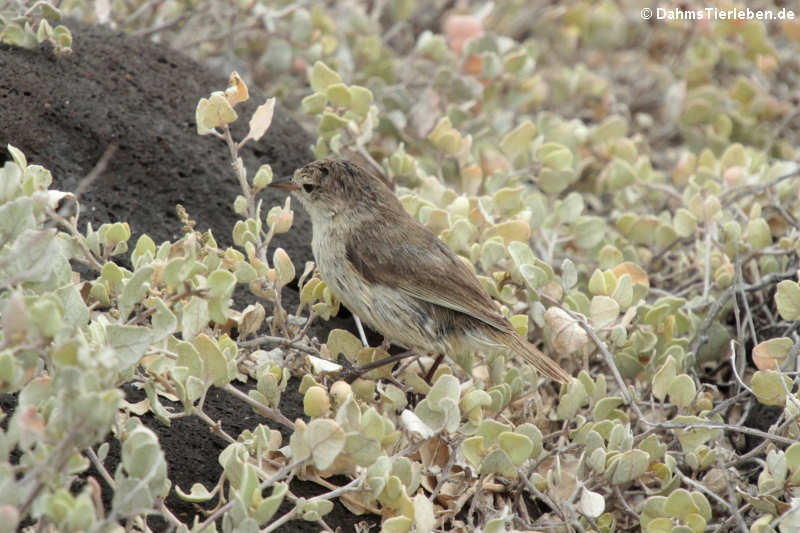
[[285, 183]]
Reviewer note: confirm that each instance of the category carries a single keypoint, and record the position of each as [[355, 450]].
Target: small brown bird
[[394, 273]]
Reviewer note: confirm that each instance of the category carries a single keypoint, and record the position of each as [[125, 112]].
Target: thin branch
[[739, 193], [713, 495], [725, 427], [281, 473], [609, 358], [280, 341], [268, 412], [98, 464]]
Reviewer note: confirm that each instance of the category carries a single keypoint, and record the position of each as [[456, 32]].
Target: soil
[[63, 113]]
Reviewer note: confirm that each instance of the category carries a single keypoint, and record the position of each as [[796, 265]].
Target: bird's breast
[[388, 310]]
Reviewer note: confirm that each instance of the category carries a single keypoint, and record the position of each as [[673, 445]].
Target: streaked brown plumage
[[394, 273]]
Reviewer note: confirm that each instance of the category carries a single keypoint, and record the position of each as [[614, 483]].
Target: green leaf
[[534, 276], [603, 408], [758, 234], [472, 449], [664, 377], [144, 247], [787, 298], [692, 439], [343, 342], [518, 141], [659, 525], [31, 258], [768, 388], [629, 466], [194, 318], [322, 76], [490, 430], [679, 504], [654, 447], [325, 438], [534, 434], [143, 458], [439, 410], [621, 174], [134, 291], [215, 365], [269, 506], [571, 400], [612, 128], [685, 222], [46, 314], [220, 284], [623, 292], [498, 461], [555, 155], [197, 494], [603, 311], [360, 100], [16, 216], [362, 450], [397, 524], [14, 34], [131, 498], [338, 95], [330, 124], [17, 155], [588, 232], [446, 386], [129, 343], [213, 112], [554, 181], [517, 446], [314, 103], [682, 391], [569, 209]]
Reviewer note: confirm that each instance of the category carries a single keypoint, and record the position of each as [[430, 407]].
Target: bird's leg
[[360, 329], [432, 371], [351, 374]]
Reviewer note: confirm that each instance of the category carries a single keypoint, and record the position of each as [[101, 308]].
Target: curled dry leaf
[[237, 89], [637, 273], [261, 119], [567, 335]]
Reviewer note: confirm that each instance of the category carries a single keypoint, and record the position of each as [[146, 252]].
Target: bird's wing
[[401, 253]]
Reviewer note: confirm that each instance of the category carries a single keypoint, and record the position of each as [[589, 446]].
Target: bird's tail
[[540, 361]]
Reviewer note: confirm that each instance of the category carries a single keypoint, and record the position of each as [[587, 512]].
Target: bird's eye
[[308, 187], [323, 172]]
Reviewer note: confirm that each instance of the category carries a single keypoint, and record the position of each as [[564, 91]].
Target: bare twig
[[731, 507], [609, 358], [741, 192], [281, 473], [725, 427], [280, 341], [269, 412]]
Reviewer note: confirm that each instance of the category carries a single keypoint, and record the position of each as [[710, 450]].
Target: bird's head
[[328, 187]]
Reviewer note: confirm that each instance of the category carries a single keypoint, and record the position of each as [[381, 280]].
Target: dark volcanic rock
[[63, 113], [114, 89]]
